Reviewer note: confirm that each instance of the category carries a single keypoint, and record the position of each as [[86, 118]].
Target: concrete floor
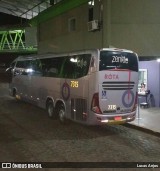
[[148, 118]]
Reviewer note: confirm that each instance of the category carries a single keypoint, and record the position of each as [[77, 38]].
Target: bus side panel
[[74, 93], [43, 88]]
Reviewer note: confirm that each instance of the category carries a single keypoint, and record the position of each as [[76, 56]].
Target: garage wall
[[129, 24], [136, 25], [153, 82], [55, 36]]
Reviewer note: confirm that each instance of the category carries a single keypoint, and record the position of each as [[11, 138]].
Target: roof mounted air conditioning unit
[[93, 25]]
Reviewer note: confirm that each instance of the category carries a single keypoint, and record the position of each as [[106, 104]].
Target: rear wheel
[[14, 93], [50, 110], [61, 114]]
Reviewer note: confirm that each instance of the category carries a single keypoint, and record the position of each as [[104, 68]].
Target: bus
[[92, 87]]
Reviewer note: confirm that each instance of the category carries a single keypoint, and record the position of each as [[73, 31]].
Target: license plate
[[117, 118]]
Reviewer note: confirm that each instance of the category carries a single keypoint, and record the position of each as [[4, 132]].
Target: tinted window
[[35, 67], [82, 65], [118, 60], [21, 67], [63, 67], [29, 67], [76, 66], [12, 65], [23, 64], [51, 67], [68, 68]]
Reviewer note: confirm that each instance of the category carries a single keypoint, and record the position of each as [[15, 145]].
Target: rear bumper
[[100, 119]]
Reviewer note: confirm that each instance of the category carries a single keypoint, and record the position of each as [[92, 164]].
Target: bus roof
[[116, 49], [49, 55]]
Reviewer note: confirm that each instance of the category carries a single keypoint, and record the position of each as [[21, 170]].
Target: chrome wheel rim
[[50, 110], [61, 115]]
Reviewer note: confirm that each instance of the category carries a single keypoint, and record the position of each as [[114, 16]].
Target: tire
[[14, 93], [61, 114], [51, 110]]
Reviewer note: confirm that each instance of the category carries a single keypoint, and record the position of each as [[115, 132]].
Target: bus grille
[[78, 109], [123, 85]]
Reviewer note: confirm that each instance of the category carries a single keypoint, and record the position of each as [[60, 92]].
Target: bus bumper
[[100, 119]]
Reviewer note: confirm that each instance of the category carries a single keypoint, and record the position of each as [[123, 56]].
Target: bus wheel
[[50, 110], [14, 93], [61, 114]]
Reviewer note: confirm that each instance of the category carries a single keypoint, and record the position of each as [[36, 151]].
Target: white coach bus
[[92, 87]]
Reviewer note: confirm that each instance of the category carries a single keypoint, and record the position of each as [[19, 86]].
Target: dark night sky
[[6, 19]]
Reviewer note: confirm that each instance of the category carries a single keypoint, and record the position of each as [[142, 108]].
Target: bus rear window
[[118, 60]]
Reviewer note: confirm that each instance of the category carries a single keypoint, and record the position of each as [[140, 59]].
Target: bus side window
[[19, 68], [92, 64], [44, 63], [25, 67], [51, 67], [61, 73], [54, 67], [82, 65], [52, 72], [13, 65], [69, 68], [35, 68]]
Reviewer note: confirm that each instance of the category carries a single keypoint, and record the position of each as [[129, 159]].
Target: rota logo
[[111, 76]]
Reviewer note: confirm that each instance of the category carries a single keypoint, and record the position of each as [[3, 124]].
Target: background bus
[[91, 87]]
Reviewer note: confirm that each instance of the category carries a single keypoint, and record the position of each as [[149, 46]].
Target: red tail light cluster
[[95, 104]]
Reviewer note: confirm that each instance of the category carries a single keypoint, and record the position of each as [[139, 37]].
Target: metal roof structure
[[24, 8]]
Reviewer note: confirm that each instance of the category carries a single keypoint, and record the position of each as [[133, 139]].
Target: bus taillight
[[95, 104]]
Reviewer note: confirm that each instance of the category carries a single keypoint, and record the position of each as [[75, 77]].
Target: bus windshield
[[118, 60]]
